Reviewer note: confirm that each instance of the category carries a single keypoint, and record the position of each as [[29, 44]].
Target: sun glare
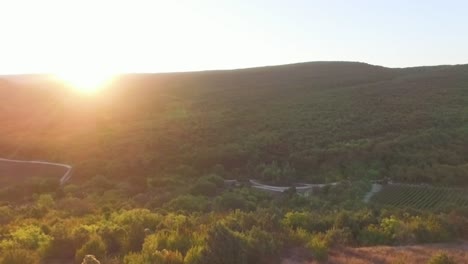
[[86, 82]]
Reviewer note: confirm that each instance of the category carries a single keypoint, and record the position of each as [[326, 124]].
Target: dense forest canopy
[[312, 122]]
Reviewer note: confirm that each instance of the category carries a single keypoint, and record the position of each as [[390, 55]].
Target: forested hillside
[[150, 154], [314, 122]]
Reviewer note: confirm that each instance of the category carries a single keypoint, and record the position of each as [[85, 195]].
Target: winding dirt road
[[63, 179], [375, 189]]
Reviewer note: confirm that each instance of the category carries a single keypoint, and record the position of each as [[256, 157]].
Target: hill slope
[[311, 122]]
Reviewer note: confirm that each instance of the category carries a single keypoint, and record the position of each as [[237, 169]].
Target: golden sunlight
[[86, 82]]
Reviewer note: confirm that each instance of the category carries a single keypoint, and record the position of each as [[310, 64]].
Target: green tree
[[135, 222], [189, 203], [204, 187], [231, 201], [45, 201], [28, 237], [224, 246]]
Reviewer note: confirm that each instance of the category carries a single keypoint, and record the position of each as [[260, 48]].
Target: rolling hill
[[317, 121]]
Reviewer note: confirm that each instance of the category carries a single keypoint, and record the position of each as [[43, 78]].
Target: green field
[[421, 197]]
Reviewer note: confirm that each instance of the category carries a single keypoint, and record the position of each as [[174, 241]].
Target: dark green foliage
[[232, 201], [205, 188], [224, 246], [214, 178], [135, 222], [114, 238], [65, 243], [263, 246], [189, 203], [275, 173], [95, 246]]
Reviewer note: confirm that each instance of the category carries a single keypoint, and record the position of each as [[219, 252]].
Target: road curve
[[375, 189], [63, 179], [303, 187]]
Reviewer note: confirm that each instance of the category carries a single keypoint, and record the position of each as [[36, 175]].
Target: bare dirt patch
[[386, 254]]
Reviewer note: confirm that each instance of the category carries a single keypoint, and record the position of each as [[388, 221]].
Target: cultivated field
[[421, 197]]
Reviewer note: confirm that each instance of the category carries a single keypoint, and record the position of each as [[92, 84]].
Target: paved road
[[63, 179], [375, 189], [302, 188]]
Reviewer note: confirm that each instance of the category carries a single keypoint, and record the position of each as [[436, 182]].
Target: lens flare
[[86, 82]]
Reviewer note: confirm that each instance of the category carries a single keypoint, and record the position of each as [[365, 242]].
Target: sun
[[85, 82]]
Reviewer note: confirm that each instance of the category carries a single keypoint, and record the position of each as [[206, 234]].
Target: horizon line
[[234, 68]]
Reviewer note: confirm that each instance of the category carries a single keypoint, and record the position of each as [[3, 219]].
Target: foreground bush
[[19, 256], [94, 246], [319, 247], [441, 258], [157, 257]]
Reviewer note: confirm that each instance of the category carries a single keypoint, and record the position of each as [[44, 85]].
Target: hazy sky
[[154, 36]]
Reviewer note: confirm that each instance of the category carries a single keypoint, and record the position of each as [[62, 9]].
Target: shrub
[[319, 247], [204, 188], [75, 206], [189, 203], [441, 258], [95, 246], [28, 237], [194, 255], [166, 240], [338, 237], [19, 256], [372, 235], [168, 257], [114, 237], [262, 246], [308, 221], [296, 220], [134, 222], [6, 215], [213, 178], [223, 246], [135, 258], [45, 201], [65, 243], [299, 236], [157, 257], [429, 230], [231, 201]]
